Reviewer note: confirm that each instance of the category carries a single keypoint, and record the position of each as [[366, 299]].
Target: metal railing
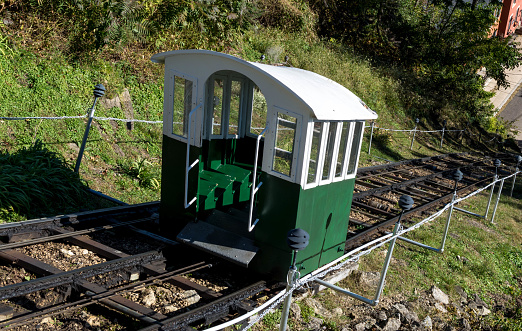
[[188, 166], [351, 256], [254, 187]]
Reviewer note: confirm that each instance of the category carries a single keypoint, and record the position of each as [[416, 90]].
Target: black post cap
[[497, 163], [297, 239], [457, 175], [99, 90], [405, 202]]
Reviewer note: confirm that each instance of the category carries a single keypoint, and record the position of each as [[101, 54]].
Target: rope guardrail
[[374, 127], [351, 256], [42, 118], [129, 120]]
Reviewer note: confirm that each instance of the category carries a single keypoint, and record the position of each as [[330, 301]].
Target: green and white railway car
[[251, 151]]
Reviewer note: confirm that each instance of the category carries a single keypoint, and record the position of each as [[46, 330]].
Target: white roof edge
[[326, 99]]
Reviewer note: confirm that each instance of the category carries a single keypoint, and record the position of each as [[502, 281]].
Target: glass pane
[[314, 152], [354, 151], [330, 145], [345, 132], [217, 106], [235, 105], [182, 105], [284, 145], [258, 118]]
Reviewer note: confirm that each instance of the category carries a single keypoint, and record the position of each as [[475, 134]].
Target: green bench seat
[[241, 180]]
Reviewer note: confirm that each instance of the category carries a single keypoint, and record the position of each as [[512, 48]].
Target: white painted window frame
[[339, 147], [270, 140], [225, 116], [336, 142], [322, 153], [308, 150], [168, 108], [352, 175], [250, 106]]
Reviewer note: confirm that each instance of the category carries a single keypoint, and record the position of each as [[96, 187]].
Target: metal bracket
[[380, 287]]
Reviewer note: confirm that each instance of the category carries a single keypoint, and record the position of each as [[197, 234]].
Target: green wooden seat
[[224, 192], [241, 180], [207, 195]]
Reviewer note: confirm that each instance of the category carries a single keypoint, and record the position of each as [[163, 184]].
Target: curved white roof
[[325, 99]]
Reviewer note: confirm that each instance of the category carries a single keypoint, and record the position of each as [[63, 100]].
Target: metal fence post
[[514, 180], [457, 176], [297, 239], [442, 136], [99, 91], [518, 159], [497, 164], [498, 199], [371, 137], [414, 131], [405, 203]]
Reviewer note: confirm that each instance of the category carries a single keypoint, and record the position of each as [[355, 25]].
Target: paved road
[[513, 112]]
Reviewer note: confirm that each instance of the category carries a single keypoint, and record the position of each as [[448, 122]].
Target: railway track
[[377, 189], [61, 269], [69, 269]]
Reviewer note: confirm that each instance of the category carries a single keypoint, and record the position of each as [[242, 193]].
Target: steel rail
[[75, 218], [70, 234], [96, 298], [210, 312], [74, 276], [405, 183], [361, 236]]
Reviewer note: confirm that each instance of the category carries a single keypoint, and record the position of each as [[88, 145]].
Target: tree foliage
[[93, 24], [440, 44]]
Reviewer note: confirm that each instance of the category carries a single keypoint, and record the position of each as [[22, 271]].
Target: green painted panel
[[322, 211], [173, 215]]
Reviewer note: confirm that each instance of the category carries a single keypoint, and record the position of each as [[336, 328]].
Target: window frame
[[227, 78], [250, 108], [348, 143], [168, 116], [326, 125], [359, 143], [335, 151], [270, 144], [308, 152]]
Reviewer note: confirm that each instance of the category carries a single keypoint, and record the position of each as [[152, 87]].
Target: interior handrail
[[254, 187], [187, 166]]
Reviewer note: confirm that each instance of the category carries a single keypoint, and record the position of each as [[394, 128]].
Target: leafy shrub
[[143, 171], [36, 178], [286, 15], [91, 25]]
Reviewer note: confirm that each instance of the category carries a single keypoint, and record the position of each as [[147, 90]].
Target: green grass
[[479, 256], [34, 176]]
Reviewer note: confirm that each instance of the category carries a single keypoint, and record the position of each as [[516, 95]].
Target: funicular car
[[252, 150]]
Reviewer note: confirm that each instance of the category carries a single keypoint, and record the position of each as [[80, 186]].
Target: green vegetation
[[479, 256], [440, 45], [144, 172], [34, 176], [404, 58]]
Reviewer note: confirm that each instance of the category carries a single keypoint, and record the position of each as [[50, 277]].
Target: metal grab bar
[[254, 187], [187, 166]]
